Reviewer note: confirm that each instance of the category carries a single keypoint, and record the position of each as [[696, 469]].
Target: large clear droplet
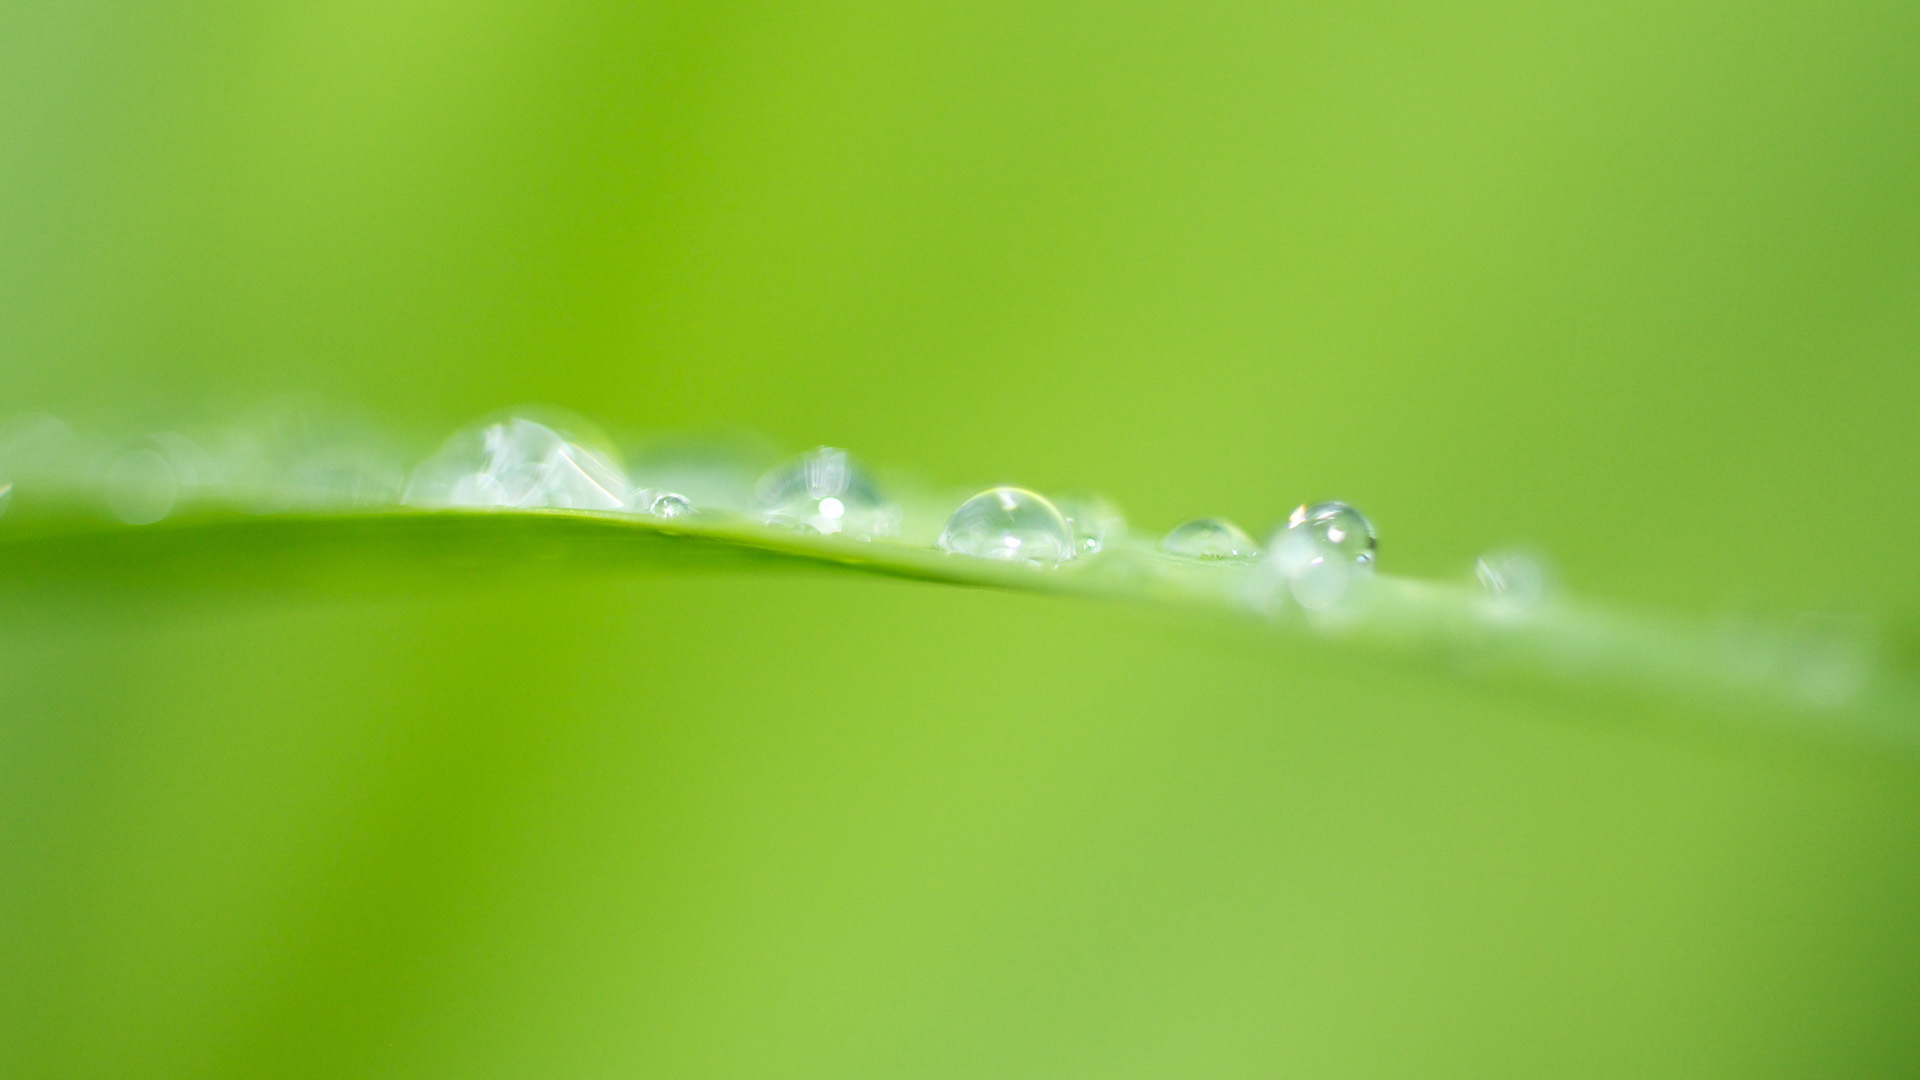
[[827, 492], [1011, 524], [1210, 538], [1320, 550], [1328, 530], [520, 463]]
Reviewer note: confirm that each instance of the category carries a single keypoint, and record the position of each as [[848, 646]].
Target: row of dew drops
[[538, 458], [297, 460], [522, 463], [1314, 557]]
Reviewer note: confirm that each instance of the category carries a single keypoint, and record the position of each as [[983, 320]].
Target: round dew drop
[[1009, 524], [1328, 531], [1320, 550], [142, 486], [827, 492], [669, 505], [1210, 538], [523, 464]]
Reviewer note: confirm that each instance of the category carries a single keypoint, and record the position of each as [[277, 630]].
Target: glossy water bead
[[668, 505], [827, 492], [520, 463], [1319, 552], [1210, 538], [1328, 530], [1010, 524]]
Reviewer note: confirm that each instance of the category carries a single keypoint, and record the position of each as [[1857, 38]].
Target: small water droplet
[[142, 486], [6, 496], [1210, 538], [826, 491], [668, 505], [1517, 579], [1096, 522], [520, 463], [1328, 530], [1010, 524]]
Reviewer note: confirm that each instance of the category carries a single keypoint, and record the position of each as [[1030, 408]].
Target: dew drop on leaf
[[1319, 550], [1325, 531], [520, 463], [1010, 524], [142, 486], [827, 492], [668, 505], [1210, 538]]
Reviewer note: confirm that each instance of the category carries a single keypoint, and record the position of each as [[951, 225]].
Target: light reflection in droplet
[[668, 505], [1319, 552], [1009, 524], [520, 463], [1335, 530], [826, 491]]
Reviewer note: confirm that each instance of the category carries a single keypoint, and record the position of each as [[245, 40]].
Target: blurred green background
[[1635, 282]]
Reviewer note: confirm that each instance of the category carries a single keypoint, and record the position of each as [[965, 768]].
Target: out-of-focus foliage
[[1635, 282]]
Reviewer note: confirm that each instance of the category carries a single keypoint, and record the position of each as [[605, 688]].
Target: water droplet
[[1210, 538], [520, 463], [1096, 522], [1319, 551], [1011, 524], [6, 496], [142, 486], [668, 505], [827, 492], [1514, 578], [1328, 530], [1320, 585]]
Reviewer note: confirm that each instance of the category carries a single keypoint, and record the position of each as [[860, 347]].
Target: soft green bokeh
[[1637, 282]]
